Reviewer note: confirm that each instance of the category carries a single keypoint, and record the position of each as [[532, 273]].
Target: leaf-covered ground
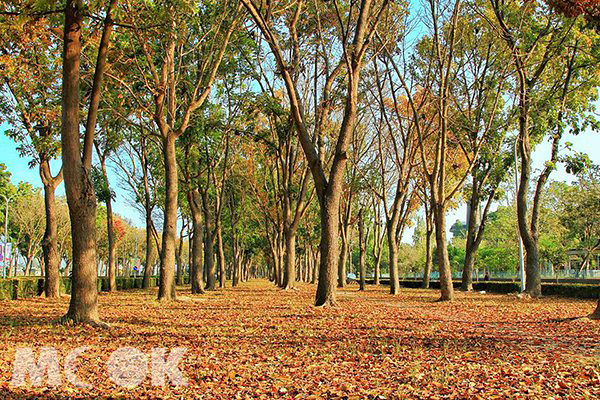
[[256, 341]]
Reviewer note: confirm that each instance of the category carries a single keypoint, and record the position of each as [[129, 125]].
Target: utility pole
[[521, 261]]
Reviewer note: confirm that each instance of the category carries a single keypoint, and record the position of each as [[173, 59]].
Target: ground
[[256, 341]]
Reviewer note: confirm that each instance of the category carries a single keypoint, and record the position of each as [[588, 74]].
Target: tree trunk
[[533, 282], [79, 189], [362, 248], [149, 224], [329, 249], [446, 288], [221, 258], [112, 269], [313, 261], [393, 258], [235, 274], [50, 244], [179, 276], [209, 264], [427, 272], [343, 258], [289, 272], [196, 265], [149, 252], [166, 288]]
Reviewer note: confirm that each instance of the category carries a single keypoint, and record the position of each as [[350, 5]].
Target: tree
[[77, 163], [30, 102], [137, 163], [362, 20], [27, 222], [556, 83], [187, 35], [105, 195]]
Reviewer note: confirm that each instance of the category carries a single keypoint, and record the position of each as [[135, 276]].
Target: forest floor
[[256, 341]]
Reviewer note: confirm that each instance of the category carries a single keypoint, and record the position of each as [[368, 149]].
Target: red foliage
[[118, 228], [590, 9]]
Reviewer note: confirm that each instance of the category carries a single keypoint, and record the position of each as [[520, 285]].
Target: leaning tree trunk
[[50, 245], [166, 288], [446, 288]]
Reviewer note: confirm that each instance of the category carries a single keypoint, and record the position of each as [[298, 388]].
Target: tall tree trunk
[[50, 244], [235, 275], [197, 238], [472, 228], [427, 272], [376, 252], [149, 252], [446, 288], [313, 261], [343, 257], [112, 270], [533, 281], [362, 249], [179, 276], [166, 288], [209, 262], [289, 271], [221, 257], [81, 198], [149, 224], [393, 257]]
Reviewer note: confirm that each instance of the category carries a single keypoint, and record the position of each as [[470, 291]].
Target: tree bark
[[393, 258], [343, 258], [112, 268], [196, 267], [329, 251], [289, 271], [427, 272], [209, 243], [429, 227], [362, 249], [179, 276], [472, 227], [50, 240], [221, 258], [446, 288], [166, 289]]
